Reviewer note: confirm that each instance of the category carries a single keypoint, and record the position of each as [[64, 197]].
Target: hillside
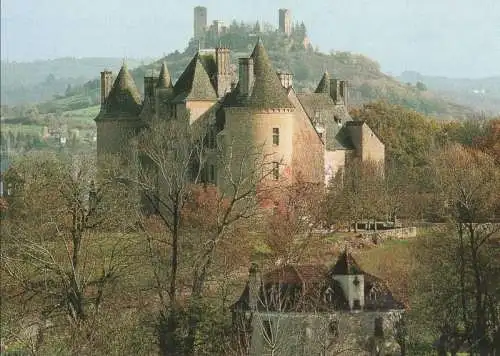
[[74, 84], [40, 80], [482, 94], [368, 83]]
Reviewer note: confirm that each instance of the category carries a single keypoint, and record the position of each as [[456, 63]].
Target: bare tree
[[462, 276], [63, 202], [198, 221], [289, 230]]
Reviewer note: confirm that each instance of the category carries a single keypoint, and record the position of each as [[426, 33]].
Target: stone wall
[[392, 234], [367, 239], [352, 333], [308, 156]]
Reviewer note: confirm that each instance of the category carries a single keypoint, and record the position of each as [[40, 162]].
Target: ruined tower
[[200, 21], [285, 21]]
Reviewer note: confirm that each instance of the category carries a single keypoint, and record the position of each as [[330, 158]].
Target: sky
[[454, 38]]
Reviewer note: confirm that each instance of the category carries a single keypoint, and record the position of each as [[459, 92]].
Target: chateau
[[310, 136]]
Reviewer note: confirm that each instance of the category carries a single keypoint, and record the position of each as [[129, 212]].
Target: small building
[[313, 310]]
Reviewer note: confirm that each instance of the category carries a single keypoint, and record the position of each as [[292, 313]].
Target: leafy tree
[[421, 86]]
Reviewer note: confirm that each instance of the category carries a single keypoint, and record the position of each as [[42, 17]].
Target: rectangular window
[[276, 136], [276, 170], [211, 177], [211, 138]]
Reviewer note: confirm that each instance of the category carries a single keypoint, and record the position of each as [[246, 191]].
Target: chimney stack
[[339, 91], [254, 284], [223, 70], [149, 86], [246, 75], [344, 91], [106, 84], [286, 79]]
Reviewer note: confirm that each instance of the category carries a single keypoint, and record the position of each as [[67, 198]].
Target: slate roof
[[324, 84], [346, 265], [123, 99], [322, 292], [337, 136], [164, 80], [296, 274], [267, 91], [194, 83]]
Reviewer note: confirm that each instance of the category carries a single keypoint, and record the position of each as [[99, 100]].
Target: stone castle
[[310, 136], [201, 27]]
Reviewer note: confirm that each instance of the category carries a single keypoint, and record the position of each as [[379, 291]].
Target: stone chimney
[[106, 84], [286, 79], [344, 91], [339, 91], [254, 284], [223, 61], [149, 86], [246, 75]]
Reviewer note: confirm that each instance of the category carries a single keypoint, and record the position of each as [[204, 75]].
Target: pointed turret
[[324, 84], [267, 91], [164, 81], [194, 83], [124, 98], [346, 265]]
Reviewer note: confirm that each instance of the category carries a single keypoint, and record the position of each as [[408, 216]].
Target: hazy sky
[[458, 38]]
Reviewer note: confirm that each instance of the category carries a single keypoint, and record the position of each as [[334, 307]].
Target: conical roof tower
[[124, 98], [324, 84], [267, 93], [164, 80], [194, 83]]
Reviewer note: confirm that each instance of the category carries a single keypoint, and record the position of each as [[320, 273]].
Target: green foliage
[[408, 136], [421, 86]]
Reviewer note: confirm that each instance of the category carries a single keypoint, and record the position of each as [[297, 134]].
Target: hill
[[38, 81], [367, 82], [482, 94], [74, 84]]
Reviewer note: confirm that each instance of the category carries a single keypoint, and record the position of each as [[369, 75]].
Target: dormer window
[[338, 120], [320, 130]]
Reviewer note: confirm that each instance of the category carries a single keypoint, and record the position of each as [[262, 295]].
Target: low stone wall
[[392, 234], [367, 239]]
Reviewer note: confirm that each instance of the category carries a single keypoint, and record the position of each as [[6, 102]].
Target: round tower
[[118, 121], [259, 120]]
